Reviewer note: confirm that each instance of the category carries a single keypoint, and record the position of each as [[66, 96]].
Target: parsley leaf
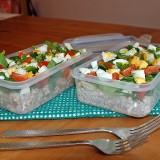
[[122, 66], [128, 79], [55, 46]]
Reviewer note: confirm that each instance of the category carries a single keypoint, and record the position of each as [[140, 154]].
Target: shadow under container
[[24, 97], [136, 100]]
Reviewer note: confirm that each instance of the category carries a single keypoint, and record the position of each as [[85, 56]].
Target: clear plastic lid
[[102, 42]]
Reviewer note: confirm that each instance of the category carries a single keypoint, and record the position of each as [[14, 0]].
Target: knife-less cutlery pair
[[130, 138]]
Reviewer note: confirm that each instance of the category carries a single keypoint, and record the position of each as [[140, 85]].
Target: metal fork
[[148, 127], [104, 145]]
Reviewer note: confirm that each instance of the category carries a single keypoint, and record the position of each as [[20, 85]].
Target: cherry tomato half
[[21, 53], [71, 53], [151, 69], [100, 62], [43, 63], [127, 72], [18, 77], [115, 76], [92, 73], [109, 65], [27, 60], [1, 67]]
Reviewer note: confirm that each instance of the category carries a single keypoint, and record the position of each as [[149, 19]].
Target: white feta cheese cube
[[57, 59], [20, 71], [67, 57], [43, 48], [42, 69], [152, 47], [84, 70], [138, 74], [94, 64], [68, 45], [34, 64]]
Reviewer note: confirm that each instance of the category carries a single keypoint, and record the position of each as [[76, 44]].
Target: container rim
[[42, 76], [114, 83]]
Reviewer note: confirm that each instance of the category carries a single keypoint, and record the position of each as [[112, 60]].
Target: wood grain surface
[[22, 32]]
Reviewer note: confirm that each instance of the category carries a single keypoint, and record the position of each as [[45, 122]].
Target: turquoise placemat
[[64, 106]]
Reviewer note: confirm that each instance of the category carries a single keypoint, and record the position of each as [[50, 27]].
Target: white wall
[[143, 13]]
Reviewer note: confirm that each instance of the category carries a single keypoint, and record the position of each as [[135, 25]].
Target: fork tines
[[131, 142]]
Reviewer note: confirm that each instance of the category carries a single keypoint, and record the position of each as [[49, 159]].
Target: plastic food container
[[135, 100], [23, 97], [102, 42]]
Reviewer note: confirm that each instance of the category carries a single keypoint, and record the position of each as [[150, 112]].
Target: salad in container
[[33, 76], [124, 79]]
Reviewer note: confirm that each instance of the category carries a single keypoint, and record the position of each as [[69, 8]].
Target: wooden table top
[[22, 32]]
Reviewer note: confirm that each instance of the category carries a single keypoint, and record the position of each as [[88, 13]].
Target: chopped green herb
[[121, 55], [129, 47], [157, 49], [154, 74], [34, 54], [151, 51], [3, 61], [16, 59], [102, 66], [149, 78], [55, 46], [6, 78], [128, 79], [23, 57], [32, 69], [122, 66], [158, 55], [40, 57]]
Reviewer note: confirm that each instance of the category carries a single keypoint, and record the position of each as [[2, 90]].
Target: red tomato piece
[[115, 76], [43, 63], [100, 62], [133, 66], [18, 77], [48, 48], [27, 60], [21, 53], [151, 69], [127, 72], [108, 65], [71, 53], [92, 73], [1, 67]]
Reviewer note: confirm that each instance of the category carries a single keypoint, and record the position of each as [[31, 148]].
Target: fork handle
[[40, 145], [53, 132]]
